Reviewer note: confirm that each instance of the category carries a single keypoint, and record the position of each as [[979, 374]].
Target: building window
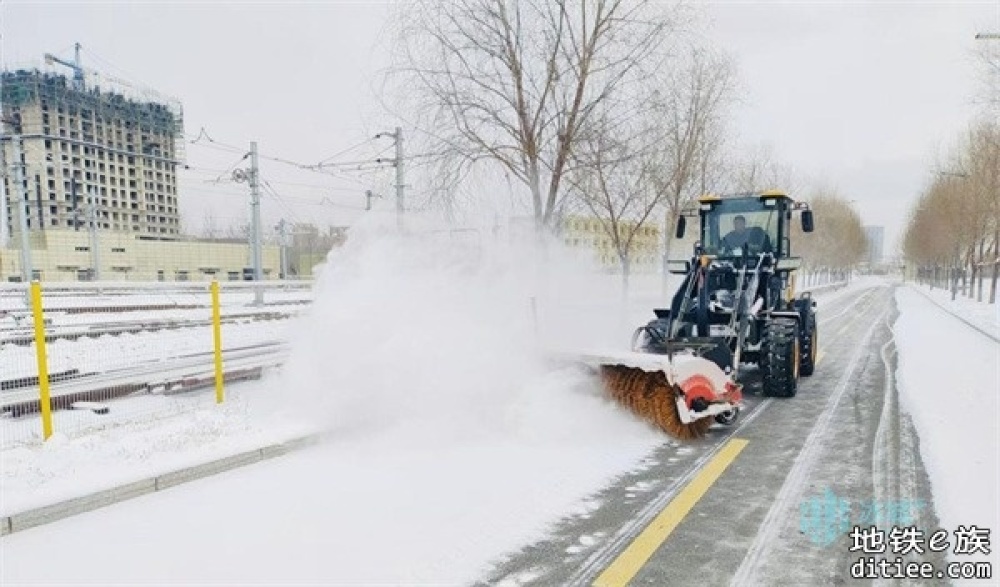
[[117, 250], [82, 249]]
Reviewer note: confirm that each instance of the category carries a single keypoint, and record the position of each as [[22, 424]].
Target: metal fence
[[79, 356]]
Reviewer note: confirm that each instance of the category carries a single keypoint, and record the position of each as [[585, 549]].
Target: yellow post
[[217, 341], [44, 400]]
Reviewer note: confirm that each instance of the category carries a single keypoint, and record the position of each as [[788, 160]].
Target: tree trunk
[[536, 197], [665, 277], [996, 268], [668, 233], [625, 261], [993, 282], [623, 312], [982, 268]]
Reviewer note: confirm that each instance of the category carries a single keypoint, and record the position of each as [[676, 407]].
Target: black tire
[[728, 418], [808, 343], [779, 357]]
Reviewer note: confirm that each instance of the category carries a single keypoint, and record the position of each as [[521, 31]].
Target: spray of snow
[[436, 336]]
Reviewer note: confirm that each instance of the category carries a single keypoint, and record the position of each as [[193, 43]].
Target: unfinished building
[[97, 157]]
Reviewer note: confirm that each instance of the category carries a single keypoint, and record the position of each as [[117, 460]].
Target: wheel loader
[[736, 305]]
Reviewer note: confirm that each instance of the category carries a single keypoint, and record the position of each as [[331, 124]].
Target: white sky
[[866, 97]]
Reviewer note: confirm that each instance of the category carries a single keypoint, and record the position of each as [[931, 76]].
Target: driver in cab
[[753, 238]]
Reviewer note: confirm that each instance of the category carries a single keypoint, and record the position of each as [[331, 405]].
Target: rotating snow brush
[[680, 394]]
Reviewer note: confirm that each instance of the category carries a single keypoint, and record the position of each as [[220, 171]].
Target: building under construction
[[90, 184], [91, 156]]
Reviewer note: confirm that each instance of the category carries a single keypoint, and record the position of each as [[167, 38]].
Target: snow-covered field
[[413, 505], [983, 315], [126, 449], [62, 296], [949, 377], [108, 352]]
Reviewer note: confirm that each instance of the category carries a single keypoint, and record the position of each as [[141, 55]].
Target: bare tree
[[981, 163], [237, 230], [616, 183], [953, 235], [988, 57], [755, 169], [838, 242], [515, 81], [689, 112], [209, 225]]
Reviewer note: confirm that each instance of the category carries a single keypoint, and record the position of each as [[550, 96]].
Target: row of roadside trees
[[953, 233], [608, 108], [952, 238]]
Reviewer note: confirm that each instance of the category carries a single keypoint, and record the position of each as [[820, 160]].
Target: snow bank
[[983, 315], [948, 376], [66, 467]]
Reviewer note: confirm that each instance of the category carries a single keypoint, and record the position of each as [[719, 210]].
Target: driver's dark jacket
[[753, 236]]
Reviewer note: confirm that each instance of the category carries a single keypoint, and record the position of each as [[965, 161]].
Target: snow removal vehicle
[[735, 305]]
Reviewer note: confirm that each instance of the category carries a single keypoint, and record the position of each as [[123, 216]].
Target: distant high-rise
[[107, 156], [876, 237]]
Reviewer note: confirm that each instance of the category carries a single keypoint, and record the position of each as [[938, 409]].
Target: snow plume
[[433, 336]]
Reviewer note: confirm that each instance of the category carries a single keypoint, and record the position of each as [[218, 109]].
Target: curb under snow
[[78, 505]]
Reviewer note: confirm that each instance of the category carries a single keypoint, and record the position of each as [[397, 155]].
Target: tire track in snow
[[793, 486]]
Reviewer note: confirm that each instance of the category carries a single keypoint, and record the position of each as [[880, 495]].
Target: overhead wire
[[349, 149]]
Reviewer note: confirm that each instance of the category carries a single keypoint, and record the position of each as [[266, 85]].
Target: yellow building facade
[[66, 255], [593, 234]]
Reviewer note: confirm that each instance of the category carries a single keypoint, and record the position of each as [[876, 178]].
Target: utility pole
[[4, 199], [400, 201], [27, 271], [255, 234], [283, 235], [95, 253], [398, 163], [4, 202]]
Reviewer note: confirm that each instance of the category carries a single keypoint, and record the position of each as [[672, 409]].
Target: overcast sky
[[865, 97]]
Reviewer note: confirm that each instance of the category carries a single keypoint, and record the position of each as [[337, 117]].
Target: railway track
[[24, 335], [182, 374]]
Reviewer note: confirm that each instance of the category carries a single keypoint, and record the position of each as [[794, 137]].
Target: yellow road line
[[628, 563]]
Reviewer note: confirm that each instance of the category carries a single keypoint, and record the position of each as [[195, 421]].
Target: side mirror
[[807, 221], [681, 225], [678, 267], [789, 263]]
